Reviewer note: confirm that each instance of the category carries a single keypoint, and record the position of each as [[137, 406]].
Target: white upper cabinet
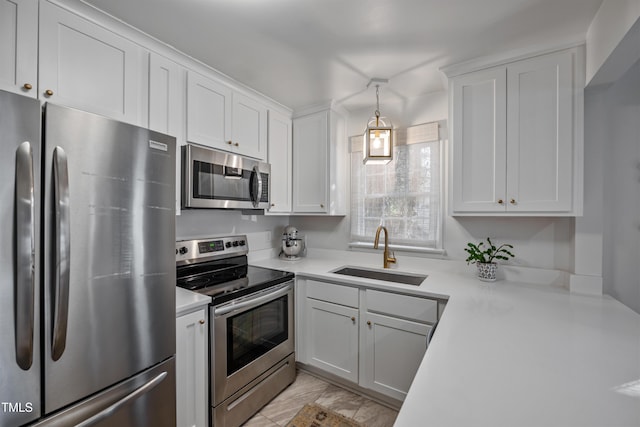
[[319, 156], [86, 66], [166, 106], [311, 162], [223, 119], [166, 96], [516, 144], [479, 146], [208, 112], [19, 46], [281, 160], [540, 134], [249, 127]]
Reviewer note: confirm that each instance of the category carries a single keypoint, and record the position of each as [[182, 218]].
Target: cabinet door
[[384, 368], [332, 338], [310, 163], [540, 134], [479, 141], [19, 46], [166, 106], [208, 112], [85, 66], [249, 127], [191, 370], [281, 160]]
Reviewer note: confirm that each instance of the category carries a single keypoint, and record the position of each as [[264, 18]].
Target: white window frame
[[427, 132]]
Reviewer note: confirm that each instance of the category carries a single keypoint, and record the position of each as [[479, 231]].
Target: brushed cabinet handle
[[500, 201], [237, 144], [201, 321], [321, 205], [353, 319], [368, 322], [48, 92], [230, 142], [27, 86], [61, 252], [512, 201], [25, 255]]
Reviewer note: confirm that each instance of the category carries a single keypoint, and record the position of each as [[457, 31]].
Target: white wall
[[619, 119], [539, 242], [609, 28], [202, 223]]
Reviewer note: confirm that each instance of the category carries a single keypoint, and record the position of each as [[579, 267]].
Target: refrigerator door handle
[[107, 412], [61, 252], [25, 255]]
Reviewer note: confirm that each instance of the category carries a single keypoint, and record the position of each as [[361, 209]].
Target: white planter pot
[[487, 271]]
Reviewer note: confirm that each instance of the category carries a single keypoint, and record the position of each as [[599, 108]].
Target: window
[[403, 195]]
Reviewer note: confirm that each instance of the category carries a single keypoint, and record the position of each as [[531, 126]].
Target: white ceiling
[[300, 52]]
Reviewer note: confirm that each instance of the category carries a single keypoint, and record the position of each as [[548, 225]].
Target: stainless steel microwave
[[220, 180]]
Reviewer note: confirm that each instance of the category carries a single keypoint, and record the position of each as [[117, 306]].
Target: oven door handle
[[251, 302]]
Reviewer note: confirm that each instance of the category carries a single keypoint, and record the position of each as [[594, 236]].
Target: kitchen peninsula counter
[[522, 351]]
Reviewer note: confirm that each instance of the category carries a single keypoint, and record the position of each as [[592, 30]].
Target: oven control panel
[[215, 247]]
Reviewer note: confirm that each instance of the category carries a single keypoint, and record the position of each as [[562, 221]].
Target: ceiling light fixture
[[378, 136]]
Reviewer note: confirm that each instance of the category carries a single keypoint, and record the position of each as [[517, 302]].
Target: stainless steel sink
[[387, 276]]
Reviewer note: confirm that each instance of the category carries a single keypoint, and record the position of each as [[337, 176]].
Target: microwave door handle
[[256, 186], [25, 255], [251, 302], [61, 252]]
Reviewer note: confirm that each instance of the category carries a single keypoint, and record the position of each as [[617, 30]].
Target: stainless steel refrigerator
[[87, 290]]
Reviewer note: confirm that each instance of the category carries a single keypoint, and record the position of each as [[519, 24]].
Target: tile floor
[[308, 389]]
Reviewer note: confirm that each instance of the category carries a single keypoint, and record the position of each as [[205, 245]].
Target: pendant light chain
[[377, 113]]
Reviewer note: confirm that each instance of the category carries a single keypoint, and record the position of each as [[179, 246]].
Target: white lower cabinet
[[333, 338], [191, 369], [391, 352], [374, 339]]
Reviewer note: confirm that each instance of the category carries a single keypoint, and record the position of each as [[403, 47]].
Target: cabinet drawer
[[404, 306], [337, 294]]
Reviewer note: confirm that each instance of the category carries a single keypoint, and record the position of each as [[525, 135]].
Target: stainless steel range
[[251, 345]]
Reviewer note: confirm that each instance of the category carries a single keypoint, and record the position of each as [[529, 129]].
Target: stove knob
[[227, 245], [242, 243], [235, 243], [183, 250]]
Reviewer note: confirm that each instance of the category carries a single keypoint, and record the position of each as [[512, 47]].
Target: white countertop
[[510, 353], [187, 301]]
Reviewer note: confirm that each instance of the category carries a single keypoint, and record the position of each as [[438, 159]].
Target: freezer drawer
[[146, 400]]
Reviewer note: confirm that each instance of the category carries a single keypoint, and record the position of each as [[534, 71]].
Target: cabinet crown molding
[[320, 106], [477, 64]]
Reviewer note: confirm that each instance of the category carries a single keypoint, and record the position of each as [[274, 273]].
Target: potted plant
[[484, 255]]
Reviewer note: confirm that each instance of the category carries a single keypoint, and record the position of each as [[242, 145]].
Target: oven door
[[215, 179], [249, 336]]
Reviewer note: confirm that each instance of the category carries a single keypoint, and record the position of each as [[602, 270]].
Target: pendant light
[[378, 136]]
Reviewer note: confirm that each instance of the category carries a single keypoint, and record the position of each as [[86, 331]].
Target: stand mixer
[[293, 246]]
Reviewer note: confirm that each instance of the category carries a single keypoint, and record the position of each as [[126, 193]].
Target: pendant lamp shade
[[378, 139]]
